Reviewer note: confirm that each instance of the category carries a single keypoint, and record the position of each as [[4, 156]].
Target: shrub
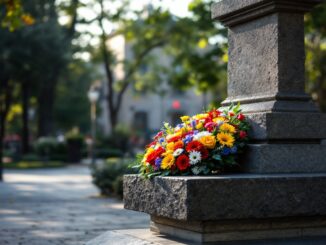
[[50, 149], [45, 146], [108, 178], [30, 157], [108, 153], [118, 139]]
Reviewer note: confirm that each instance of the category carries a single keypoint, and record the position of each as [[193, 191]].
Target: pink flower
[[210, 126]]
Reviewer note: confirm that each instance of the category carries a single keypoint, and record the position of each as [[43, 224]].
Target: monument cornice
[[234, 12]]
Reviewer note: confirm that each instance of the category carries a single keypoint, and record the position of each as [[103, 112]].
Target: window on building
[[140, 121]]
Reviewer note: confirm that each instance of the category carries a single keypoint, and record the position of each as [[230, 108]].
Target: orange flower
[[178, 144]]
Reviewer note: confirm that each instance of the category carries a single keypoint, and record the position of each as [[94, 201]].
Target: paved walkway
[[58, 206]]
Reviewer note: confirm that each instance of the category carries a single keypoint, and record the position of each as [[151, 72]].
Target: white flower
[[196, 170], [177, 152], [195, 157], [201, 134]]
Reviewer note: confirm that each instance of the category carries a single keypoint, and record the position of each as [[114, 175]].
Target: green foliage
[[50, 148], [108, 178], [117, 141], [74, 136], [12, 15], [24, 164], [105, 153], [71, 107], [315, 40]]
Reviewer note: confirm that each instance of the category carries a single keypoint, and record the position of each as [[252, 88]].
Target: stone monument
[[282, 190]]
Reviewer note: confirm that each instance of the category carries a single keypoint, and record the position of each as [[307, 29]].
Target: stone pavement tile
[[43, 207]]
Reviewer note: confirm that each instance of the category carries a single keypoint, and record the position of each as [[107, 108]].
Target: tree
[[7, 85], [54, 51], [13, 15], [184, 40], [72, 105], [315, 40], [143, 37]]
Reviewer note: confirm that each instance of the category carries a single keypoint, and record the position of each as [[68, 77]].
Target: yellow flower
[[225, 139], [189, 128], [167, 161], [220, 119], [149, 151], [199, 125], [182, 131], [168, 152], [201, 116], [170, 146], [225, 127], [208, 141], [184, 118]]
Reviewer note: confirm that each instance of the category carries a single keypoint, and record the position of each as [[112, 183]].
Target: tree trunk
[[2, 134], [46, 99], [45, 111], [5, 102], [113, 119], [25, 130]]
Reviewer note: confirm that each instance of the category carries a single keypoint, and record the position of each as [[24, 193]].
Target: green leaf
[[153, 174], [217, 157], [166, 173]]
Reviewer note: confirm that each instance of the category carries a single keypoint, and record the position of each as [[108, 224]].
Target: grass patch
[[34, 164]]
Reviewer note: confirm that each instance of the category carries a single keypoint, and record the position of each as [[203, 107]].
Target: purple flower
[[193, 123], [161, 140], [158, 162]]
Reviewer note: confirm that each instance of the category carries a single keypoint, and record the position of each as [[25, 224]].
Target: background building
[[144, 112]]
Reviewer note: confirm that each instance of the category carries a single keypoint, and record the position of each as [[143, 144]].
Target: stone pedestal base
[[285, 158], [231, 207], [240, 230]]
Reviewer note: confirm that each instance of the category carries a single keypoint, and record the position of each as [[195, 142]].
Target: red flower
[[214, 113], [151, 144], [155, 154], [183, 162], [204, 153], [231, 114], [158, 135], [151, 158], [241, 117], [174, 138], [242, 134], [159, 151], [208, 120], [194, 146]]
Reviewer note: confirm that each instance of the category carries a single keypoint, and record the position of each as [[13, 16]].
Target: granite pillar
[[281, 192], [266, 75]]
